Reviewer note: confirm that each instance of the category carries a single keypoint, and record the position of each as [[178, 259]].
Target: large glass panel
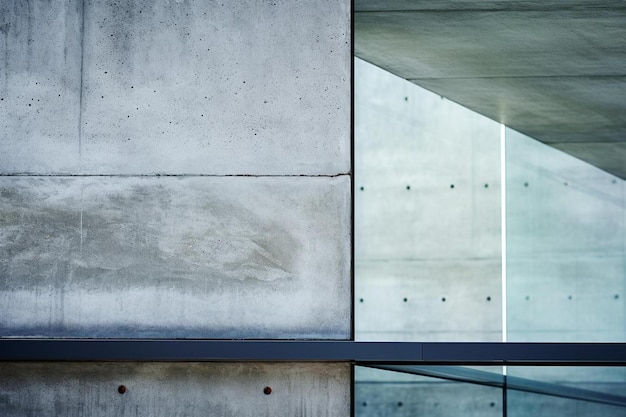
[[384, 393], [567, 391], [565, 246], [427, 215]]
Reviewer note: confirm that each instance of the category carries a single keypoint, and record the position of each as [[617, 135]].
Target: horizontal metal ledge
[[13, 349], [205, 350]]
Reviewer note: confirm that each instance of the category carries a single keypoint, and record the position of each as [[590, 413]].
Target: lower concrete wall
[[174, 389], [175, 257]]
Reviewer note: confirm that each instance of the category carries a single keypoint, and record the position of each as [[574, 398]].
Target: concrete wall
[[427, 215], [174, 389], [175, 169], [566, 247]]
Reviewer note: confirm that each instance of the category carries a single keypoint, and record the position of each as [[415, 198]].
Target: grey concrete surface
[[175, 169], [552, 70], [180, 87], [566, 247], [40, 78], [174, 389], [206, 257], [435, 300], [427, 215]]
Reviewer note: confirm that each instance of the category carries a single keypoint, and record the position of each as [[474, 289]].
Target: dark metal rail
[[415, 353]]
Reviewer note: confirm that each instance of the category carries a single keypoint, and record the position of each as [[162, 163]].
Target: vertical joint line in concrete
[[80, 92], [503, 228]]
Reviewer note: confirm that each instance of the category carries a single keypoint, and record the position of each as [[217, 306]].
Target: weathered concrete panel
[[174, 389], [175, 257], [198, 87], [40, 84]]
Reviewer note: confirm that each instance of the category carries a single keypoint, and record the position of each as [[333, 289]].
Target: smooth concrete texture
[[552, 70], [427, 215], [433, 300], [233, 257], [566, 247], [40, 78], [176, 87], [174, 389]]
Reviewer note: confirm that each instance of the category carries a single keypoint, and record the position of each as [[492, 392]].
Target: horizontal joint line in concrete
[[177, 175], [416, 353]]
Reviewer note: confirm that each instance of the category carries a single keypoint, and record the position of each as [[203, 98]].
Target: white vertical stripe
[[503, 219]]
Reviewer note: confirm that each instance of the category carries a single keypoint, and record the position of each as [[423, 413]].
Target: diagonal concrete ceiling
[[553, 70]]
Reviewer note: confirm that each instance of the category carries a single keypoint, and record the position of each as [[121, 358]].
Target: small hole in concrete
[[267, 390], [406, 98], [360, 300], [616, 296], [492, 404], [121, 389], [362, 188], [488, 298], [525, 184], [400, 404], [486, 185], [364, 404], [405, 299], [443, 299], [569, 297], [408, 187], [451, 185]]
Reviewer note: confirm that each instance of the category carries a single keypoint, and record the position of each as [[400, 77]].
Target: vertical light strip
[[503, 224], [503, 244]]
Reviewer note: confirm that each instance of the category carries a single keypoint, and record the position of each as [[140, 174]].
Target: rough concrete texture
[[553, 70], [176, 87], [566, 247], [40, 78], [427, 215], [206, 257], [174, 389]]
